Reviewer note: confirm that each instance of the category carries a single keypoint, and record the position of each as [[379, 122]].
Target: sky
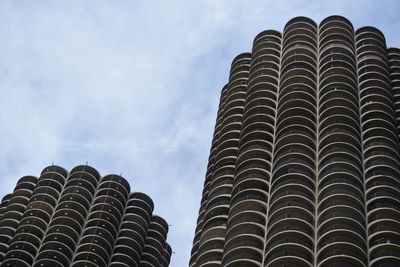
[[132, 87]]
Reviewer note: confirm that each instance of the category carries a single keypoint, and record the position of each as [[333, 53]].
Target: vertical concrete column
[[133, 231], [394, 68], [209, 173], [4, 203], [102, 226], [155, 243], [215, 218], [291, 214], [36, 218], [244, 241], [167, 255], [69, 218], [341, 224], [381, 148], [14, 206]]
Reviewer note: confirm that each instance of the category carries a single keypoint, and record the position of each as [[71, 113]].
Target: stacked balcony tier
[[214, 221], [14, 206], [4, 203], [394, 67], [381, 148], [246, 225], [204, 199], [341, 237], [33, 224], [153, 250], [291, 206], [65, 228]]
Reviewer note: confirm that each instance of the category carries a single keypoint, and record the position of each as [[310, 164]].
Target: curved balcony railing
[[41, 206]]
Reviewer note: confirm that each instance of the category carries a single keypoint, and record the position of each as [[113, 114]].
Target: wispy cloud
[[133, 87]]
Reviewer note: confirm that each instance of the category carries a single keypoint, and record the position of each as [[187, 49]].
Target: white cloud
[[133, 87]]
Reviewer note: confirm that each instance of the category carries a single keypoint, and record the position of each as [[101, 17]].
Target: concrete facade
[[80, 219], [304, 167]]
